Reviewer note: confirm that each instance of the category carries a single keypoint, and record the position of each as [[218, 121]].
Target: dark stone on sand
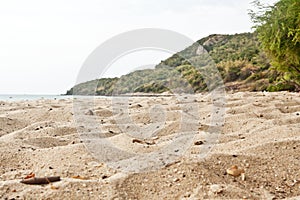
[[198, 142], [89, 112]]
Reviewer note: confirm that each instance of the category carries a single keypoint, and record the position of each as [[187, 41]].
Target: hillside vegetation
[[242, 65]]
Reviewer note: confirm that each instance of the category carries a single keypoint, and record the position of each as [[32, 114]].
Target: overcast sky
[[44, 43]]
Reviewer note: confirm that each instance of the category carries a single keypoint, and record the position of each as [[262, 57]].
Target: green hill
[[239, 59]]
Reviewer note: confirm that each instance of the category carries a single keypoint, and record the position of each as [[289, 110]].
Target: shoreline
[[33, 97]]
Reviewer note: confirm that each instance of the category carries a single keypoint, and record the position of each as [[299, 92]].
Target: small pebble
[[176, 179]]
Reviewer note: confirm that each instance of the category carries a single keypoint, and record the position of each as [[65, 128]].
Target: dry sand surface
[[261, 135]]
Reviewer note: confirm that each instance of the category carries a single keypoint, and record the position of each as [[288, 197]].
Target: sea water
[[26, 97]]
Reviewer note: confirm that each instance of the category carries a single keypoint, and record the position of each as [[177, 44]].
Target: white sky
[[44, 43]]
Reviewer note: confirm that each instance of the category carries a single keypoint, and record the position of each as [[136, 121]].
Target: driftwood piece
[[41, 180]]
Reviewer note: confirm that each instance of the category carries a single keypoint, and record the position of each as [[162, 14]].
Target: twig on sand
[[172, 163], [80, 177], [41, 180], [143, 142]]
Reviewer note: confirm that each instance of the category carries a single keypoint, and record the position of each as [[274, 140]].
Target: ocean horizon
[[28, 97], [32, 97]]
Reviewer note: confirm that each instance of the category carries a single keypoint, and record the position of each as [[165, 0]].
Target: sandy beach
[[260, 134]]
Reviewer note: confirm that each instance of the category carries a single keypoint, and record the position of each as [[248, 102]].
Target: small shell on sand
[[235, 171]]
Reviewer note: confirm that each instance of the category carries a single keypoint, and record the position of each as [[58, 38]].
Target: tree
[[278, 29]]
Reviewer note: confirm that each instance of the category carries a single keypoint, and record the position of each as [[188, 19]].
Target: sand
[[260, 134]]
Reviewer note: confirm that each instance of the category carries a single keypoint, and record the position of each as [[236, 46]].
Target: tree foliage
[[278, 29]]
